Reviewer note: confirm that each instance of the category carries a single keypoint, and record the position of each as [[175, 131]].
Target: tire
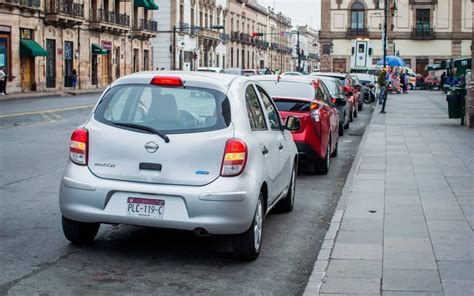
[[341, 129], [360, 106], [79, 232], [351, 117], [334, 153], [287, 203], [347, 125], [355, 112], [248, 244], [322, 165]]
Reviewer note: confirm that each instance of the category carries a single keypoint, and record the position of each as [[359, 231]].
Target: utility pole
[[298, 50], [385, 31], [174, 48]]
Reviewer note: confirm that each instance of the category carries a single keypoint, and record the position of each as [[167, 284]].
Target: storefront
[[29, 50], [5, 50], [96, 51]]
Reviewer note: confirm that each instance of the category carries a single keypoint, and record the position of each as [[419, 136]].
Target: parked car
[[307, 98], [360, 91], [234, 71], [349, 89], [153, 153], [210, 69], [339, 99], [293, 73], [250, 72]]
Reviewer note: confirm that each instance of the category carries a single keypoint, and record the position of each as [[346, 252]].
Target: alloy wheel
[[258, 225]]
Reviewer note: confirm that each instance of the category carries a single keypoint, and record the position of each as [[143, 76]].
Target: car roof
[[329, 74], [285, 78], [209, 78]]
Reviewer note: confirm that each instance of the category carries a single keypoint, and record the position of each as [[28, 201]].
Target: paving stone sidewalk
[[404, 224]]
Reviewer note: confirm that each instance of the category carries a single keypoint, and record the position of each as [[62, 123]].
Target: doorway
[[51, 63], [95, 78], [421, 65], [27, 71], [117, 62], [68, 63]]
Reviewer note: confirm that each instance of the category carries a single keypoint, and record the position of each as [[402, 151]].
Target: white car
[[202, 152], [211, 69]]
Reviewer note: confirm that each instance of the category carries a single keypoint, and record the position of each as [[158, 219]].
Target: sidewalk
[[46, 94], [404, 223]]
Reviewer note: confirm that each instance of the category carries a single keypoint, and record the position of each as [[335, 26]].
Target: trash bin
[[456, 102]]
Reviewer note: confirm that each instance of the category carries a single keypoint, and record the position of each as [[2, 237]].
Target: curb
[[41, 95], [320, 266]]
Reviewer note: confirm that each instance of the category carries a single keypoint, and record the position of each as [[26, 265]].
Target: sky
[[301, 12]]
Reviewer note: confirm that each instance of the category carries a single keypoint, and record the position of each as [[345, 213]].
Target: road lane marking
[[46, 117], [46, 111], [56, 116]]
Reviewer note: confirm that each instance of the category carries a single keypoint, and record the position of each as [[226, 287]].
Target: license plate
[[145, 207]]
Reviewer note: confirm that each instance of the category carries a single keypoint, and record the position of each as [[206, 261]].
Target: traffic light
[[255, 34]]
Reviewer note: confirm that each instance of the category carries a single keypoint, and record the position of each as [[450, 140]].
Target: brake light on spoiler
[[167, 81]]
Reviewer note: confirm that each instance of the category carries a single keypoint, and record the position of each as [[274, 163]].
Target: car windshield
[[233, 71], [331, 85], [169, 110], [292, 105], [288, 89]]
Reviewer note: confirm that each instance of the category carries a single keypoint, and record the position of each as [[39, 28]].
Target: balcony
[[208, 34], [357, 32], [244, 38], [114, 22], [145, 28], [234, 37], [64, 13], [422, 34], [224, 37], [274, 46], [24, 4], [183, 28], [313, 56]]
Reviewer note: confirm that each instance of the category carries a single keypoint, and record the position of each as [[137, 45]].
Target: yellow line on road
[[46, 111]]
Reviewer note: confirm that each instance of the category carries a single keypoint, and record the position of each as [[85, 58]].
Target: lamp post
[[385, 12], [175, 29]]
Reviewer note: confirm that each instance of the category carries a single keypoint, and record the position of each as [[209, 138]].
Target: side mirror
[[292, 123], [340, 102]]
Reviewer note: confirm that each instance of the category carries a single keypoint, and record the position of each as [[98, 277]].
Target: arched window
[[357, 17]]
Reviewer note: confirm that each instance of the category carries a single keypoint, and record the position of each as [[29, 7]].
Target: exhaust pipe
[[201, 231]]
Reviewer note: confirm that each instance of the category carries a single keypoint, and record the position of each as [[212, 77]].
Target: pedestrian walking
[[382, 81], [3, 79], [74, 78], [402, 80]]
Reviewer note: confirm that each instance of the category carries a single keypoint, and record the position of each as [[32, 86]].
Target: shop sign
[[107, 45]]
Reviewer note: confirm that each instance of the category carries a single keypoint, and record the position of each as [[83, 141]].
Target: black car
[[336, 89]]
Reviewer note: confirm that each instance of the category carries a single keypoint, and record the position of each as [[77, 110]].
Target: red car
[[350, 89], [308, 99]]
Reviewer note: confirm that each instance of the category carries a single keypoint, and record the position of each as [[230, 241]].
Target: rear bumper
[[306, 151], [225, 206]]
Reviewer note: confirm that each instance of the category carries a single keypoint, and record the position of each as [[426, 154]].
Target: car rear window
[[171, 110], [291, 105], [288, 89]]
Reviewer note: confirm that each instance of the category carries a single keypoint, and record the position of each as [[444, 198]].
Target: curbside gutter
[[320, 266]]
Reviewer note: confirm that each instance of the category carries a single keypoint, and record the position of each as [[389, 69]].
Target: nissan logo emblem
[[151, 147]]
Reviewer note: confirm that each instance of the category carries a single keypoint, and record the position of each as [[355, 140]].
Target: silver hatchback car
[[194, 151]]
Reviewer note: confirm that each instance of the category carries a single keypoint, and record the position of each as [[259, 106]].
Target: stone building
[[191, 34], [309, 49], [42, 42], [421, 31]]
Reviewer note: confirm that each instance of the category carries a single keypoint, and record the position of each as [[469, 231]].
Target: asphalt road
[[35, 258]]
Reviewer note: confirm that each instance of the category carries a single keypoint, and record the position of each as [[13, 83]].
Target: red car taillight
[[235, 158], [78, 146], [314, 111]]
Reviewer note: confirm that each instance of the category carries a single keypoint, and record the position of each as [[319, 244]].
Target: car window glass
[[327, 96], [319, 93], [254, 107], [271, 110], [172, 110]]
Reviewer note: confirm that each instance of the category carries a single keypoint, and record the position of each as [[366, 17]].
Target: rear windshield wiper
[[144, 128]]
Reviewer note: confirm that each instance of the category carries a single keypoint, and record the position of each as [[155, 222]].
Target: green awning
[[147, 4], [31, 48], [96, 49]]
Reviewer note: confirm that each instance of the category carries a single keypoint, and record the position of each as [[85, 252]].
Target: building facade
[[307, 40], [419, 31], [44, 44], [219, 33]]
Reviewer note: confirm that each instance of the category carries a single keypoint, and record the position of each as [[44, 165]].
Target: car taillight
[[78, 146], [314, 111], [235, 158], [333, 100]]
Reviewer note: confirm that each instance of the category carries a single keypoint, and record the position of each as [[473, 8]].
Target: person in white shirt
[[3, 78]]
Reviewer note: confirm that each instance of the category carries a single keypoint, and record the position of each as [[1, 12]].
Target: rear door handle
[[280, 146], [265, 150]]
